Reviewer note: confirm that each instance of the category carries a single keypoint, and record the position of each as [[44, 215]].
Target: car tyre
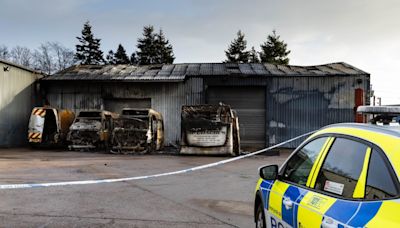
[[260, 217]]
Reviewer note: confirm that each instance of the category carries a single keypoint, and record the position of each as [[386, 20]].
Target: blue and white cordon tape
[[84, 182]]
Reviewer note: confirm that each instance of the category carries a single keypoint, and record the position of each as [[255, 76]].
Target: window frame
[[305, 143], [319, 168], [391, 171], [373, 147], [369, 144]]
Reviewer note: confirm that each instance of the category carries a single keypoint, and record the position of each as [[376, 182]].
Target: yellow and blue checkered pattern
[[312, 209]]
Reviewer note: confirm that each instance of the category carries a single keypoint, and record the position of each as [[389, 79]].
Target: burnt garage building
[[273, 102]]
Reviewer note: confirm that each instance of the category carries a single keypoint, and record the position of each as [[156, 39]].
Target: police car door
[[338, 185], [287, 192], [380, 206]]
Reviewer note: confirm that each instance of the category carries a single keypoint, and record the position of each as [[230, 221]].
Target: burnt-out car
[[209, 129], [138, 131], [91, 130]]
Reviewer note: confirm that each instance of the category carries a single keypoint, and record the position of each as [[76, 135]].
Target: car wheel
[[260, 217]]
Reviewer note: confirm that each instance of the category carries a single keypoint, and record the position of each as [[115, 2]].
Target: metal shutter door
[[249, 103]]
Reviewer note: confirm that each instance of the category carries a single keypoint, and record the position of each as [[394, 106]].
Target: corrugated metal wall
[[166, 98], [17, 98], [116, 105], [299, 104], [296, 105]]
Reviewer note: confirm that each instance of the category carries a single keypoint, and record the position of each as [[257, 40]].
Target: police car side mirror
[[269, 172]]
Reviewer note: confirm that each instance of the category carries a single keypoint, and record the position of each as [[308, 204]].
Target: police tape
[[87, 182]]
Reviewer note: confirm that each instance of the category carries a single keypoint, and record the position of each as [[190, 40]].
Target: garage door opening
[[116, 105], [249, 103]]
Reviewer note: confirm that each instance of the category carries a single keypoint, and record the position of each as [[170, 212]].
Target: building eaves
[[178, 72], [20, 66]]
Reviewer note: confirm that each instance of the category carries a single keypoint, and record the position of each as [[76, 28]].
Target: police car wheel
[[260, 217]]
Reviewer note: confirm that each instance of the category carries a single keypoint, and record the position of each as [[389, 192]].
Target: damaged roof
[[178, 72]]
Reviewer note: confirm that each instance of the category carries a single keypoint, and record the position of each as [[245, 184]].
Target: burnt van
[[49, 126]]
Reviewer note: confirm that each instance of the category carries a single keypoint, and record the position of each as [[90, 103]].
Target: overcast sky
[[363, 33]]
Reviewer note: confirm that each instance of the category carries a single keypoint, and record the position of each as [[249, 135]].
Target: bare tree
[[51, 57], [4, 54], [21, 55], [64, 57], [43, 58]]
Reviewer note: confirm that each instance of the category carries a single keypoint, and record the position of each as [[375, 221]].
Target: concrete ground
[[216, 197]]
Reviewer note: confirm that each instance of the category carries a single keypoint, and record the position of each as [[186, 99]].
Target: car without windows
[[138, 131], [91, 130]]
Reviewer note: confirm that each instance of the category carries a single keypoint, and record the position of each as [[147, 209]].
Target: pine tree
[[110, 58], [274, 50], [153, 48], [147, 53], [164, 48], [88, 51], [120, 55], [236, 52], [253, 56], [133, 59]]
